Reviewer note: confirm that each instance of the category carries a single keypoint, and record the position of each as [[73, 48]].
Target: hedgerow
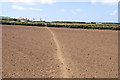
[[97, 26]]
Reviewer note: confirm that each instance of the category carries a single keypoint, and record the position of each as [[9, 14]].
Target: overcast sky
[[68, 11]]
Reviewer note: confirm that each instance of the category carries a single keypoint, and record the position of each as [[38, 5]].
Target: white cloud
[[93, 1], [78, 10], [36, 9], [62, 10], [33, 2], [23, 8], [47, 1], [110, 2], [18, 7], [73, 12], [30, 2], [113, 13]]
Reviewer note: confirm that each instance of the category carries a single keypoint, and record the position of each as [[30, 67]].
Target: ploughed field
[[43, 52]]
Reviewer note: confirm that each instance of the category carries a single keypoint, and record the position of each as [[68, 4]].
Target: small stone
[[110, 58], [68, 69]]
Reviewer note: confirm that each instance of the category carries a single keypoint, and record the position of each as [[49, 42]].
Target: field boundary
[[80, 26]]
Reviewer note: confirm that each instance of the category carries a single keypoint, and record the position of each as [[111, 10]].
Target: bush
[[98, 26]]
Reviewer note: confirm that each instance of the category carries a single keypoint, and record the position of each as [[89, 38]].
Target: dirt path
[[60, 56]]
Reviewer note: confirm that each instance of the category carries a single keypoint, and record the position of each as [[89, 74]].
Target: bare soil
[[36, 52]]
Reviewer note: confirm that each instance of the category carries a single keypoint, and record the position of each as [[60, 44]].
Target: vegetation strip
[[12, 21]]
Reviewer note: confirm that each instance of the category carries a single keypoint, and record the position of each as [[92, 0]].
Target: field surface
[[43, 52]]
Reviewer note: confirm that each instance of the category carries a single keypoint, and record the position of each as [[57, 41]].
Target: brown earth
[[36, 52]]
